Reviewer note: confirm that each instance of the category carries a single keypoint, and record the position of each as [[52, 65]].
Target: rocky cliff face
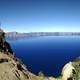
[[11, 68]]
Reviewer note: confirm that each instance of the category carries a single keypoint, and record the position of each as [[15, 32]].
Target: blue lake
[[46, 54]]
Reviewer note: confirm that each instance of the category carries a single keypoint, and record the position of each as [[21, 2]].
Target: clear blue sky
[[40, 15]]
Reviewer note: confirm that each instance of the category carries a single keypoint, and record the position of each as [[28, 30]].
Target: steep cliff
[[11, 68]]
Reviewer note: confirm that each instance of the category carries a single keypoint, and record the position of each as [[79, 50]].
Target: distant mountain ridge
[[37, 34]]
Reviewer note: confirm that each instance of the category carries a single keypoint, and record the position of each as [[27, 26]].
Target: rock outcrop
[[71, 70], [11, 68]]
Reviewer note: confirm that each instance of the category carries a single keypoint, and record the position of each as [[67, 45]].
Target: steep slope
[[12, 69]]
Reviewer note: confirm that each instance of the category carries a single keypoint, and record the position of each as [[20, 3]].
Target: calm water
[[46, 54]]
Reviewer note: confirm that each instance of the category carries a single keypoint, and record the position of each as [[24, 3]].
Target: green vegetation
[[76, 65]]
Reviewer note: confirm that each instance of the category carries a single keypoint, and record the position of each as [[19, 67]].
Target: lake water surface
[[46, 54]]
